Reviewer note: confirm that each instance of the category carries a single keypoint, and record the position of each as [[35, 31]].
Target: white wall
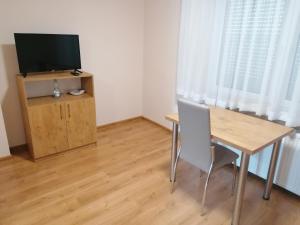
[[4, 150], [111, 38], [162, 19]]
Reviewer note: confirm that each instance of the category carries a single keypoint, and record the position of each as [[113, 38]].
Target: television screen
[[47, 52]]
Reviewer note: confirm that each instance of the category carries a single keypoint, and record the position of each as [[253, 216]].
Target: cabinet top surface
[[52, 76], [43, 100]]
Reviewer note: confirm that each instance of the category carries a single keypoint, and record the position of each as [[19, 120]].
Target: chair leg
[[234, 177], [205, 189], [174, 174]]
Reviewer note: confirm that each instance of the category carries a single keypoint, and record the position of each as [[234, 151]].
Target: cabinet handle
[[61, 116], [69, 111]]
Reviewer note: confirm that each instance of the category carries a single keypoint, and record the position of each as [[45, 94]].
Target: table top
[[246, 133]]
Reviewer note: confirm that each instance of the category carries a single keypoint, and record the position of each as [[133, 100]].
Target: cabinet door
[[81, 122], [48, 129]]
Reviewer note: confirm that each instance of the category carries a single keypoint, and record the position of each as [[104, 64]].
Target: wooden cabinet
[[81, 122], [54, 125], [48, 129]]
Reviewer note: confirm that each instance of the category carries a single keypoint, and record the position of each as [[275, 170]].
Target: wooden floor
[[124, 180]]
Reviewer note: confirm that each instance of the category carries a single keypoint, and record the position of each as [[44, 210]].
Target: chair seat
[[223, 156]]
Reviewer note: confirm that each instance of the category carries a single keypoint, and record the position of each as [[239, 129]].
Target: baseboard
[[23, 147], [5, 157], [118, 122], [18, 148], [132, 119], [273, 186], [157, 124]]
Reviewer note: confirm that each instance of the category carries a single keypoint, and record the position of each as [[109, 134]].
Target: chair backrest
[[194, 122]]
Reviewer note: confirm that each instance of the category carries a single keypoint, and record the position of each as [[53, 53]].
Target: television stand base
[[76, 72]]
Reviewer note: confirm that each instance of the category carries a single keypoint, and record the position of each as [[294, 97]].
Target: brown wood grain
[[51, 76], [81, 122], [48, 129], [125, 180], [53, 125], [43, 100], [246, 133]]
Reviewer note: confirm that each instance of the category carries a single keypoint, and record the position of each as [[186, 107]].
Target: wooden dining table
[[246, 133]]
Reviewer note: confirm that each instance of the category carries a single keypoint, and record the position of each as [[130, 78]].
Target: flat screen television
[[47, 52]]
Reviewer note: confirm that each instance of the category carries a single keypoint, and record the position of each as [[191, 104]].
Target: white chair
[[196, 146]]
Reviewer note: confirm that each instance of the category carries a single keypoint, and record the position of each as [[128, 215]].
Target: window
[[250, 59], [251, 34], [295, 73]]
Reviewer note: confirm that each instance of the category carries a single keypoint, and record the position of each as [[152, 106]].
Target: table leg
[[173, 149], [240, 189], [272, 168]]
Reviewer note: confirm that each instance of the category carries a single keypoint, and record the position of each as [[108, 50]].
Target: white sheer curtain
[[242, 54], [197, 17]]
